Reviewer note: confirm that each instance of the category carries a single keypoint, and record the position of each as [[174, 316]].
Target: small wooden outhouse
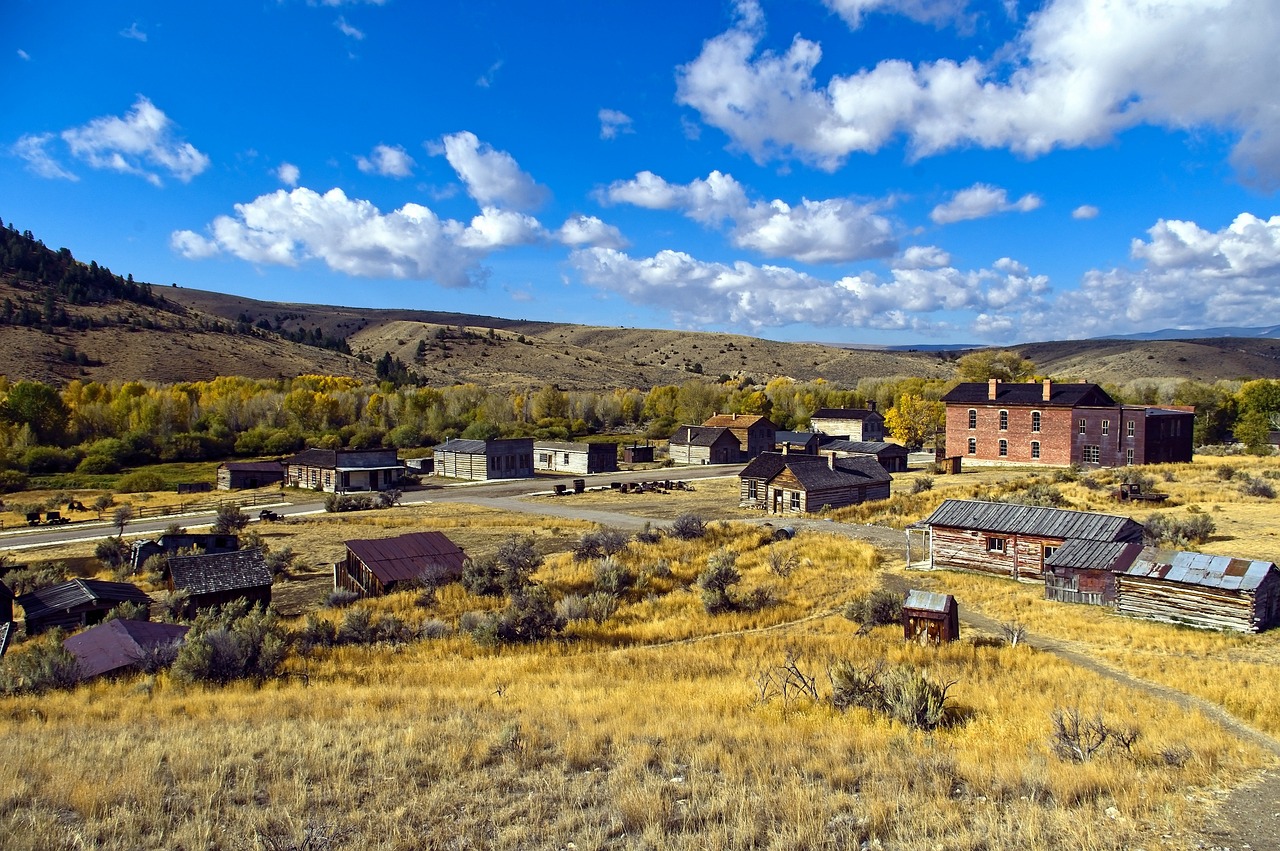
[[930, 618]]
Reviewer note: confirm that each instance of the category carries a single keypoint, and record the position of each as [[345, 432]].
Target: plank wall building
[[238, 475], [344, 470], [781, 483], [866, 424], [215, 579], [1195, 589], [930, 618], [892, 456], [704, 445], [755, 433], [80, 602], [559, 456], [482, 460], [372, 568]]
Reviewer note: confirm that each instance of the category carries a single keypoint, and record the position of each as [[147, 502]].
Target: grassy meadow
[[663, 726]]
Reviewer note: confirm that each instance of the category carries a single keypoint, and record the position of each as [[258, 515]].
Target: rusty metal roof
[[213, 572], [1077, 553], [404, 557], [1012, 519], [119, 644], [1225, 572], [929, 601], [80, 593]]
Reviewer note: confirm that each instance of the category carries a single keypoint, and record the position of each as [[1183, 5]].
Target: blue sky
[[850, 171]]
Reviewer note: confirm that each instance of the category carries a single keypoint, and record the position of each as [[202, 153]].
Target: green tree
[[38, 406], [989, 363]]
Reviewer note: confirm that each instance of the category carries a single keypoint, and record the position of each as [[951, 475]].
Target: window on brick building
[[1035, 420], [1004, 420], [1131, 428], [973, 446], [1106, 426], [1091, 454], [1128, 457], [1083, 423], [1035, 449], [1004, 448], [973, 418]]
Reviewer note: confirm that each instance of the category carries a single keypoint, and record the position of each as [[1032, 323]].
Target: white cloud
[[744, 295], [495, 228], [34, 149], [492, 177], [1079, 72], [980, 201], [937, 12], [588, 230], [486, 79], [23, 55], [1085, 211], [613, 122], [134, 33], [288, 174], [388, 161], [827, 231], [349, 235], [142, 143], [348, 30], [1191, 278], [923, 257]]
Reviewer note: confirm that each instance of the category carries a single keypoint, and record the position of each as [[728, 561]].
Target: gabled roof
[[1079, 554], [345, 459], [78, 593], [865, 447], [119, 644], [1009, 518], [1225, 572], [1029, 394], [816, 472], [213, 572], [805, 437], [737, 421], [844, 414], [702, 436], [929, 601], [404, 557], [255, 466]]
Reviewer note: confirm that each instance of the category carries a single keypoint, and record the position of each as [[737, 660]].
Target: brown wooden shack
[[1082, 571], [637, 454], [80, 602], [376, 567], [215, 579], [1200, 590], [930, 618], [797, 484]]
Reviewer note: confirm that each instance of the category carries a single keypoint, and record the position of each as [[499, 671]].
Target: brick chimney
[[871, 405], [1048, 389], [992, 387], [831, 460]]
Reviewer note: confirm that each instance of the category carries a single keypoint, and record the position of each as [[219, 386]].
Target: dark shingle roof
[[405, 557], [214, 572], [865, 447], [795, 437], [80, 592], [1032, 520], [119, 644], [844, 414], [701, 435], [345, 459], [815, 472], [1020, 393]]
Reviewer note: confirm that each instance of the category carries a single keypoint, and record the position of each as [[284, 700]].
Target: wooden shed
[[174, 542], [372, 568], [120, 646], [237, 475], [563, 456], [481, 460], [637, 454], [892, 456], [80, 602], [930, 618], [215, 579], [1200, 590], [1081, 571], [704, 445]]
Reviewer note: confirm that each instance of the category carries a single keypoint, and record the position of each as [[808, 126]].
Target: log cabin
[[1200, 590], [781, 483]]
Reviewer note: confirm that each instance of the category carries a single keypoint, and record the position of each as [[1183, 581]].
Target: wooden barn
[[372, 568], [559, 456], [481, 460], [1195, 589], [755, 433], [344, 470], [215, 579], [80, 602], [892, 456], [704, 445], [782, 483], [1007, 539], [930, 618], [239, 475], [120, 646], [1081, 571], [637, 454]]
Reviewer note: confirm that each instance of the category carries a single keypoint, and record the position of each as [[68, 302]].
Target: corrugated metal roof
[[462, 446], [214, 572], [1078, 553], [404, 557], [928, 601], [119, 644], [80, 592], [1037, 520], [1225, 572]]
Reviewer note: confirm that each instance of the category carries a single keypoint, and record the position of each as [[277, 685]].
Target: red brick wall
[[1054, 435]]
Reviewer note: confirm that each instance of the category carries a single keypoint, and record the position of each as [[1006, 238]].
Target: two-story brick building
[[1058, 424]]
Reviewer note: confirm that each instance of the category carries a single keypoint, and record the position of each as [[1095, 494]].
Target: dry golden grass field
[[663, 726]]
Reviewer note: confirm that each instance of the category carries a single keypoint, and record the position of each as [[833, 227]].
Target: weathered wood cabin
[[782, 483], [892, 456], [120, 646], [1010, 540], [239, 475], [637, 454], [175, 542], [797, 442], [930, 618], [1195, 589], [372, 568], [216, 579], [80, 602], [481, 460], [344, 470], [755, 433], [559, 456], [704, 445], [1081, 571], [862, 424]]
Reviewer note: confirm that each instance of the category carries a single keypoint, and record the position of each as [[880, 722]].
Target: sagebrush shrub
[[879, 608]]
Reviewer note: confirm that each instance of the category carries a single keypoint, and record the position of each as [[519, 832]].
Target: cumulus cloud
[[613, 122], [1190, 278], [495, 228], [34, 149], [923, 257], [980, 201], [134, 33], [143, 143], [288, 174], [1085, 211], [492, 177], [590, 231], [700, 293], [388, 161], [350, 236], [1078, 73], [23, 55], [827, 231], [936, 12]]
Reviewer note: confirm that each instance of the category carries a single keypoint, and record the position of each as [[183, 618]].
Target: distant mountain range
[[1265, 332]]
